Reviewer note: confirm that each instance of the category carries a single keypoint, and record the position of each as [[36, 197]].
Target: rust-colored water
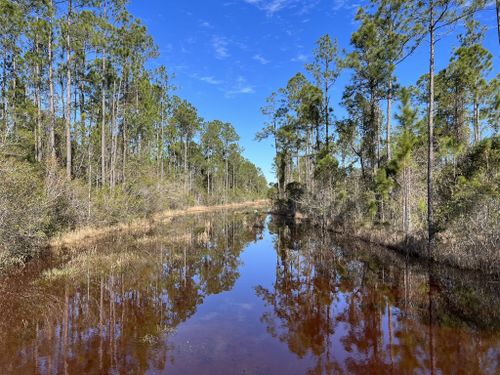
[[245, 294]]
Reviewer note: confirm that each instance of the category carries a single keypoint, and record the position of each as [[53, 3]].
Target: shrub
[[24, 211]]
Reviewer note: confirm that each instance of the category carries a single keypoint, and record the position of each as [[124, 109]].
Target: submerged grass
[[90, 264]]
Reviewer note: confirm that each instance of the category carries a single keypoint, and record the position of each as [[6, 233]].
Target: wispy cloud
[[211, 80], [220, 46], [270, 6], [345, 5], [260, 59], [308, 5], [206, 24], [240, 87], [300, 58], [244, 90], [167, 48]]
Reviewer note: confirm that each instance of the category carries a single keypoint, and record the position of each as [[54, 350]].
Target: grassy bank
[[445, 251], [35, 215], [476, 256], [94, 233]]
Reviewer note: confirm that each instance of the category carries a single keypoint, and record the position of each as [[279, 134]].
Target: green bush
[[24, 210]]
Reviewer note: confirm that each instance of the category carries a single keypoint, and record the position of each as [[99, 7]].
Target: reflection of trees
[[302, 299], [358, 310], [117, 315], [345, 306]]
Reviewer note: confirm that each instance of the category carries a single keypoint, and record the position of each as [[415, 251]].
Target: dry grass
[[92, 263], [94, 233], [448, 251]]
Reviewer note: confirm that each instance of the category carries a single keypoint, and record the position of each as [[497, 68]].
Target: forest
[[426, 183], [90, 134], [171, 214]]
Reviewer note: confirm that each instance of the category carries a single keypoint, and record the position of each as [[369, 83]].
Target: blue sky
[[229, 55]]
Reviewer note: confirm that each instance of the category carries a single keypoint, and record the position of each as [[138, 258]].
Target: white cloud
[[261, 59], [300, 58], [241, 87], [308, 5], [345, 5], [338, 4], [270, 6], [245, 90], [211, 80], [220, 46]]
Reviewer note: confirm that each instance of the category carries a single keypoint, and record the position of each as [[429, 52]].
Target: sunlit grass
[[96, 233]]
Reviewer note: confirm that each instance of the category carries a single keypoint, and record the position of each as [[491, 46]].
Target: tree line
[[103, 135], [432, 176]]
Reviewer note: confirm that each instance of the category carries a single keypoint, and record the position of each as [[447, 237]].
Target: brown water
[[244, 294]]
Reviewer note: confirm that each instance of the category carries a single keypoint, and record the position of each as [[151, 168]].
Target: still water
[[244, 293]]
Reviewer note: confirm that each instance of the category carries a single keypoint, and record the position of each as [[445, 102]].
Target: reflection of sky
[[230, 331], [227, 327], [257, 267], [341, 288]]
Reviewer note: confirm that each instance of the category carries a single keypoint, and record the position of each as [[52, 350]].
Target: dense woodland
[[416, 167], [89, 134]]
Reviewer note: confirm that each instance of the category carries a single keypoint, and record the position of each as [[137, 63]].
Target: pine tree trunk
[[327, 114], [373, 142], [389, 121], [38, 128], [114, 114], [68, 95], [103, 119], [226, 175], [477, 133], [317, 137], [52, 121], [125, 141], [162, 136], [406, 202], [14, 95], [103, 104], [307, 161], [89, 179], [185, 165], [378, 132], [38, 138], [430, 130], [498, 20]]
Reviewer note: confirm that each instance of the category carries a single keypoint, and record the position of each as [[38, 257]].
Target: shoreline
[[416, 247], [71, 238]]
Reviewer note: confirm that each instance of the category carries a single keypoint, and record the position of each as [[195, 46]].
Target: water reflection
[[236, 293], [358, 310], [115, 306]]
